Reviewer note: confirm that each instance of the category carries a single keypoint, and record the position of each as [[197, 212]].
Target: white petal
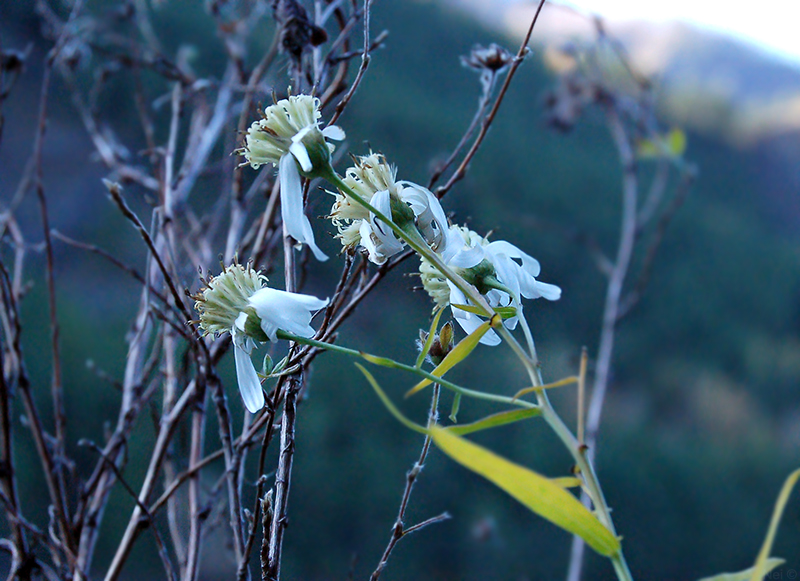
[[290, 312], [470, 322], [365, 231], [295, 221], [509, 273], [333, 132], [240, 322], [431, 218], [249, 384], [298, 150], [529, 263], [376, 236], [382, 201], [550, 292]]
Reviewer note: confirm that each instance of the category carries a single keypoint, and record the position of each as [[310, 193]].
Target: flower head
[[500, 271], [374, 181], [288, 136], [239, 302], [494, 58]]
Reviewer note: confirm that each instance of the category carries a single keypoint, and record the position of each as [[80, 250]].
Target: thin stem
[[411, 369], [416, 242], [398, 530], [487, 121], [611, 311], [283, 479]]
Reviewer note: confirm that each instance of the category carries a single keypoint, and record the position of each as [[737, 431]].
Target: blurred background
[[702, 419]]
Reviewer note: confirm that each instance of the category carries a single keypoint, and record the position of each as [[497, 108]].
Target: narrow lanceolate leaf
[[504, 312], [760, 568], [378, 360], [388, 403], [559, 383], [456, 356], [536, 492], [494, 421], [747, 574]]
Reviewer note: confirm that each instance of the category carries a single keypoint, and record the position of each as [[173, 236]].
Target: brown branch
[[56, 386], [398, 530], [362, 69], [283, 478], [487, 121], [162, 551], [116, 194]]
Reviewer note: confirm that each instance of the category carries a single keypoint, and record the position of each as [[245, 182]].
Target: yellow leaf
[[456, 356], [745, 575], [760, 566], [532, 490], [567, 481], [559, 383]]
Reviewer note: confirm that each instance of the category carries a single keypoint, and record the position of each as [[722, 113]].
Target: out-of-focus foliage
[[702, 419]]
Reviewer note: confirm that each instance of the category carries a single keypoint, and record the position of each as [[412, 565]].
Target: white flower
[[373, 180], [484, 264], [289, 137], [239, 302]]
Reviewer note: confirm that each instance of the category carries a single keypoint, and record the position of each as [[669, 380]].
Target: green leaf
[[536, 492], [494, 421], [456, 406], [504, 312], [382, 361], [471, 309], [746, 575], [388, 403], [456, 356]]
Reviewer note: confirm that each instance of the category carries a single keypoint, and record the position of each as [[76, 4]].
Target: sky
[[770, 24]]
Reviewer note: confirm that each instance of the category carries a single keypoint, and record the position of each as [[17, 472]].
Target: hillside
[[702, 417]]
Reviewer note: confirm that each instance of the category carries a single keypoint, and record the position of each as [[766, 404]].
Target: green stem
[[411, 369], [413, 238], [529, 360]]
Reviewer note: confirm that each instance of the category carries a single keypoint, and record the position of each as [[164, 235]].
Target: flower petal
[[376, 236], [290, 312], [249, 384], [431, 218], [469, 321], [333, 132], [299, 151], [548, 291], [295, 221]]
